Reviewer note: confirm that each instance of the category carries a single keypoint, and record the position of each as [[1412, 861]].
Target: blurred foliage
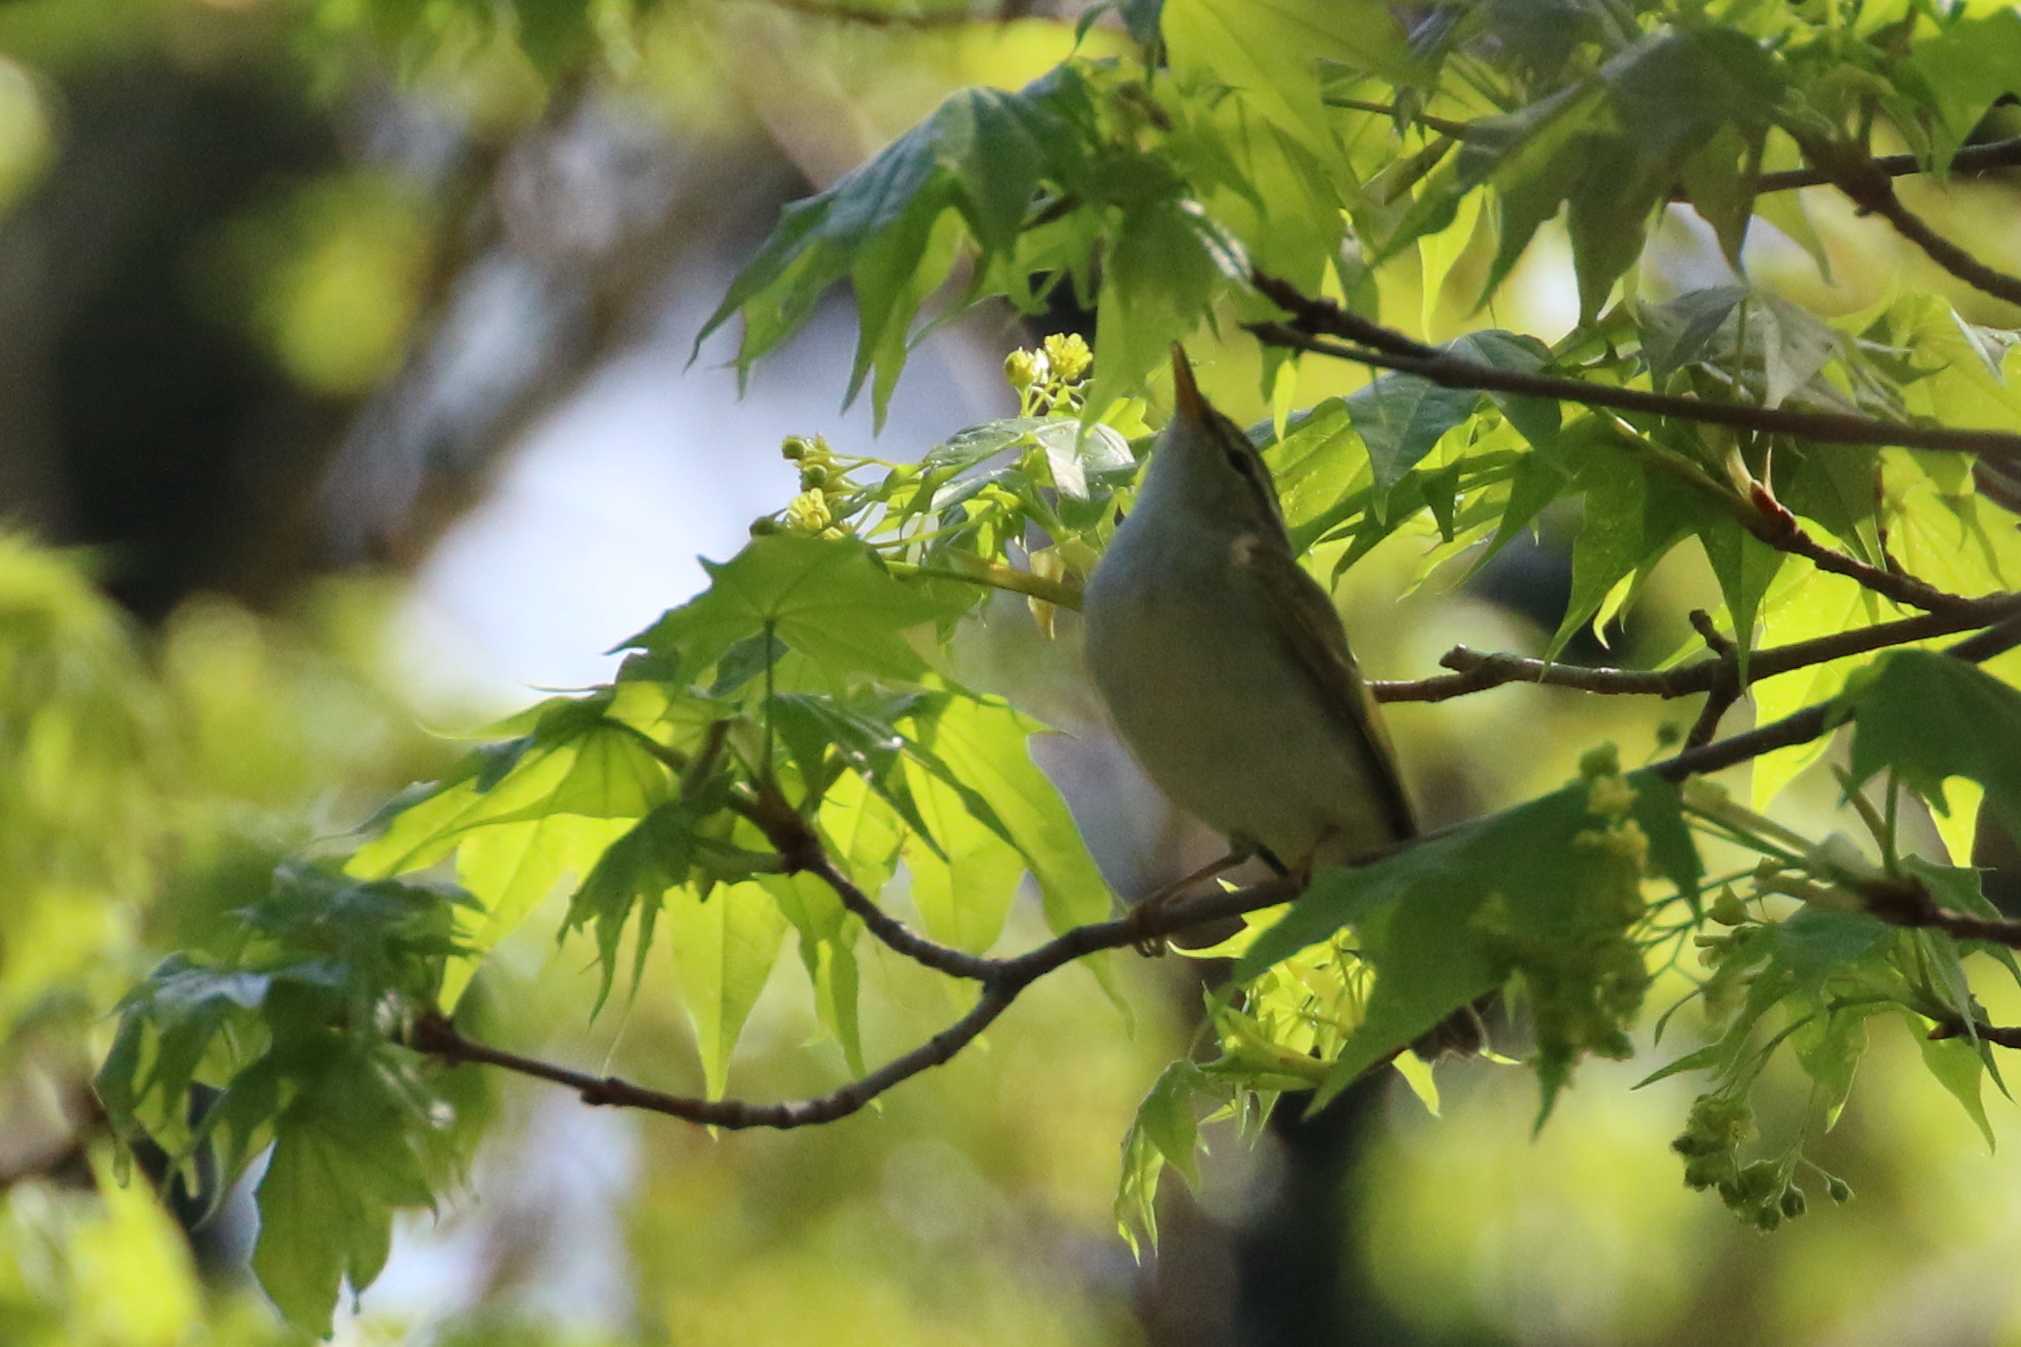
[[165, 791]]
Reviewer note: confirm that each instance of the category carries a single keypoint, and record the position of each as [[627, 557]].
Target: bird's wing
[[1306, 622]]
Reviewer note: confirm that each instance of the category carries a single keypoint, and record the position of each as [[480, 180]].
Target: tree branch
[[2005, 1036], [1874, 193], [1807, 724], [1386, 348], [1476, 671], [1003, 979]]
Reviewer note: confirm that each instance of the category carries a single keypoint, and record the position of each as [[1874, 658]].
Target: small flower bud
[[764, 526], [1759, 1181], [1793, 1202], [1602, 761], [795, 448], [1840, 1190], [1727, 909], [1023, 368], [813, 476]]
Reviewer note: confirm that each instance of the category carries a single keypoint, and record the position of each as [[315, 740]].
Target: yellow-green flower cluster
[[1052, 377], [822, 481]]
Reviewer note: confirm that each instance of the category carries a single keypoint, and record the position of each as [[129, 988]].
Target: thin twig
[[1445, 126], [1715, 640], [1385, 348], [1476, 671], [1874, 193], [1809, 723], [896, 934], [1717, 703], [1995, 154], [2001, 1035], [439, 1038], [1773, 523]]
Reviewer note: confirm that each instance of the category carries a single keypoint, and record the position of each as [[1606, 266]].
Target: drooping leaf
[[1167, 266], [349, 1152], [982, 154], [1966, 66], [985, 743], [1165, 1132], [1745, 566], [632, 876], [724, 947]]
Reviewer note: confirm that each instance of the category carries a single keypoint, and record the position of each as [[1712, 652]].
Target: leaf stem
[[975, 570]]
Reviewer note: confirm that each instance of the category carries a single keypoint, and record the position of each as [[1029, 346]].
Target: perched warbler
[[1226, 669], [1225, 666]]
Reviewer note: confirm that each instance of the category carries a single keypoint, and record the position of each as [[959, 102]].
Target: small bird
[[1225, 666], [1226, 670]]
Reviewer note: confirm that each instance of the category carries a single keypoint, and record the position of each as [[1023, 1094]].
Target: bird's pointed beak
[[1186, 393]]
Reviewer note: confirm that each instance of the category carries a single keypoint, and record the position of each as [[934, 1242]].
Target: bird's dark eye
[[1238, 461]]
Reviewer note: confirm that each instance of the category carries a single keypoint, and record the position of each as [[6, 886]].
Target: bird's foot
[[1148, 913]]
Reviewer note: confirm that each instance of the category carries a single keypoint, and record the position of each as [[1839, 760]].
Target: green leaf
[[519, 816], [1610, 147], [1164, 1132], [633, 875], [1812, 604], [1270, 51], [982, 154], [724, 949], [1967, 66], [1166, 266], [1400, 417], [964, 885], [1687, 330], [1960, 888], [1631, 518], [167, 1027], [1927, 716], [985, 743], [1745, 566], [863, 835], [1835, 485], [830, 600], [862, 736], [348, 1152], [1140, 18], [1829, 1049], [1073, 450], [1958, 1064], [1536, 419]]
